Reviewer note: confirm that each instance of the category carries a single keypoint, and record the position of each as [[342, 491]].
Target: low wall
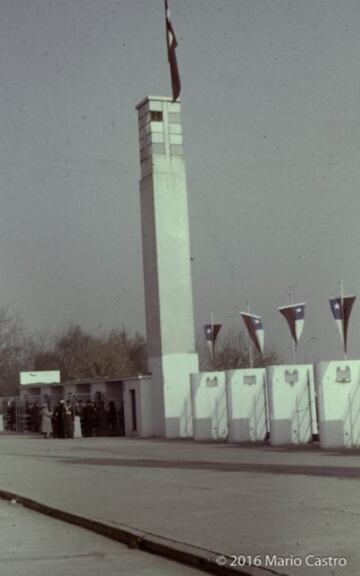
[[291, 403], [247, 405], [338, 389], [209, 405]]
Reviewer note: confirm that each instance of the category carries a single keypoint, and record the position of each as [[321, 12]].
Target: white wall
[[97, 387], [338, 389], [247, 404], [291, 403], [171, 395], [209, 405]]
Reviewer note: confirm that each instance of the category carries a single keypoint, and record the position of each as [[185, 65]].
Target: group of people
[[58, 423], [97, 416], [93, 418]]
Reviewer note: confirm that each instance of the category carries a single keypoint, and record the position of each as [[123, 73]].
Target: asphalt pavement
[[287, 510]]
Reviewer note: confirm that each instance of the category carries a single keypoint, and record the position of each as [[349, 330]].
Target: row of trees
[[78, 354]]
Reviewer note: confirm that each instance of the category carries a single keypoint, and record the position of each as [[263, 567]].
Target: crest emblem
[[212, 382], [291, 376], [343, 376], [249, 380]]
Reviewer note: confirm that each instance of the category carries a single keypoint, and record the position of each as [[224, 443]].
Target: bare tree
[[231, 352], [13, 350], [82, 355]]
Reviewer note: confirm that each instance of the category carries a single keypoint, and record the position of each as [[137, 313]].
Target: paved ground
[[231, 499], [35, 545]]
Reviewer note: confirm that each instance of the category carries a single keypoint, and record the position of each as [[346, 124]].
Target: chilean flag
[[341, 309], [211, 333], [255, 328], [295, 317]]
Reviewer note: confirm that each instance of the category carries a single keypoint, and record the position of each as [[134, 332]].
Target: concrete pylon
[[167, 266]]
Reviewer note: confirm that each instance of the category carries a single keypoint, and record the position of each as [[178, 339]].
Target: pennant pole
[[249, 345], [294, 346], [343, 317], [166, 17], [294, 351], [212, 335]]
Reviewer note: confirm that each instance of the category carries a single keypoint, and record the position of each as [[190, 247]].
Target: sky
[[271, 118]]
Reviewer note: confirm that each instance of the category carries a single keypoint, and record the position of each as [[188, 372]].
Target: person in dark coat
[[58, 420], [68, 420], [112, 418], [34, 418], [87, 419], [12, 416]]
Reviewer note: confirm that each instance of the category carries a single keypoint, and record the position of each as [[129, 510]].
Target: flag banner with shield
[[294, 314], [211, 332], [255, 328], [341, 308]]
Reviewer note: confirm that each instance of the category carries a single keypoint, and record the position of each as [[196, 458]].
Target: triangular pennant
[[255, 328], [295, 317]]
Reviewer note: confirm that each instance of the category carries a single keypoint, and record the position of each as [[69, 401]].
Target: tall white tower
[[167, 267]]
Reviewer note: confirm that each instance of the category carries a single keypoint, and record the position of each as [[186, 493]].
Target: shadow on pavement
[[327, 471]]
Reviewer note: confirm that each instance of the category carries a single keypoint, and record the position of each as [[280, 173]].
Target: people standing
[[68, 420], [112, 417], [46, 423], [58, 420], [87, 419], [34, 417]]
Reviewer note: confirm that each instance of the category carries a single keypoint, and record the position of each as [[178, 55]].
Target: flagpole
[[343, 317], [212, 334], [166, 17], [293, 341], [249, 345]]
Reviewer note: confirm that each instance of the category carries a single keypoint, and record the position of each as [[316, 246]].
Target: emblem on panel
[[343, 375], [212, 382], [249, 380], [291, 376]]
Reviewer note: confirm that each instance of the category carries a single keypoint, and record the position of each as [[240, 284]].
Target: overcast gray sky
[[271, 116]]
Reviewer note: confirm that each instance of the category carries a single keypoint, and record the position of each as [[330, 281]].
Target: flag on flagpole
[[211, 333], [171, 49], [294, 314], [341, 309], [255, 328]]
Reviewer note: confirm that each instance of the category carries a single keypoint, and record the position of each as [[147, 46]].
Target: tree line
[[79, 354]]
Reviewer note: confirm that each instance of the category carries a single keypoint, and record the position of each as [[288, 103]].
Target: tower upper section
[[160, 134]]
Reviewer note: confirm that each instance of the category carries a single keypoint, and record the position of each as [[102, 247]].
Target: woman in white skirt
[[46, 424]]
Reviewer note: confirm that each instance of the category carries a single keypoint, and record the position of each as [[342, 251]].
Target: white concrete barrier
[[209, 406], [338, 390], [1, 423], [291, 403], [247, 405]]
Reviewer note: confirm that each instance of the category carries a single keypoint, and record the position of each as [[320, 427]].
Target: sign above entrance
[[40, 377]]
